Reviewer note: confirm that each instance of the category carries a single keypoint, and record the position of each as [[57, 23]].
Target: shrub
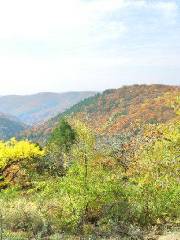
[[22, 215]]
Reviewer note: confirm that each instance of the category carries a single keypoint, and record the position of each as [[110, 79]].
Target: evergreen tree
[[63, 136]]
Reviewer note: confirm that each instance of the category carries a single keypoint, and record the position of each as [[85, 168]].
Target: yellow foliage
[[13, 150], [157, 162]]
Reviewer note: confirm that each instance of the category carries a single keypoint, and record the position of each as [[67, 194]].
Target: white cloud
[[166, 6], [81, 32], [72, 23], [168, 9], [38, 18], [67, 19]]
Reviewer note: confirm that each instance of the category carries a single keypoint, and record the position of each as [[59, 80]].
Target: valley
[[32, 109], [10, 126], [90, 120], [107, 167], [116, 111]]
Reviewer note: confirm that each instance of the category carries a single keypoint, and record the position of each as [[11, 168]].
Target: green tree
[[155, 173], [58, 154], [63, 136]]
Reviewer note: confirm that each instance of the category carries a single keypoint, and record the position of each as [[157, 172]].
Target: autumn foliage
[[117, 179]]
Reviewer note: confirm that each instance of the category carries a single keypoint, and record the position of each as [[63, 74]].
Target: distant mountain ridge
[[32, 109], [10, 126], [117, 111]]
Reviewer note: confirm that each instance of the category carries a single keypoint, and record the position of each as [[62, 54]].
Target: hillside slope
[[9, 126], [39, 107], [117, 111]]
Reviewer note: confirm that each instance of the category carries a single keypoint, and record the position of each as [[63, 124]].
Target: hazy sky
[[64, 45]]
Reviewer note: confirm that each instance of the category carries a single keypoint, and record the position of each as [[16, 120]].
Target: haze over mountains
[[32, 109], [10, 126], [18, 113]]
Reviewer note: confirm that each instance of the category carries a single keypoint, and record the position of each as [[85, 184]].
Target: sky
[[76, 45]]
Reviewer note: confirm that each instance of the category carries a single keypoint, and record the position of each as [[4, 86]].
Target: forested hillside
[[118, 111], [74, 189], [32, 109], [10, 126], [90, 120]]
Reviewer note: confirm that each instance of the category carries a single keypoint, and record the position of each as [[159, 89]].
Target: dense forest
[[107, 168], [116, 111]]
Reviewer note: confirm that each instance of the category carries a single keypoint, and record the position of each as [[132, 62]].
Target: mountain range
[[112, 112], [32, 109], [10, 126], [17, 113], [117, 111]]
